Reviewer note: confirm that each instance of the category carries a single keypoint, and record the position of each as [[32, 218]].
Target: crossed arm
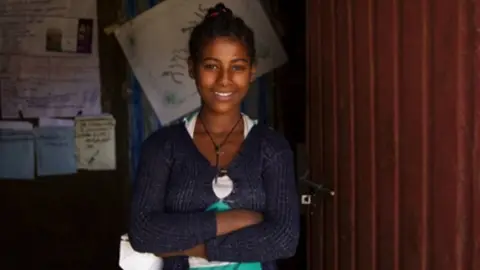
[[235, 235]]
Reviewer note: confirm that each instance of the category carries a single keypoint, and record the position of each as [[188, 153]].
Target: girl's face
[[223, 74]]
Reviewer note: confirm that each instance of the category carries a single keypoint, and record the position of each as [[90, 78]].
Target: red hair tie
[[216, 13]]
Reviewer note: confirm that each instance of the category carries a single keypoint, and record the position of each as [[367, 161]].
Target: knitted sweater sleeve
[[277, 236], [151, 229]]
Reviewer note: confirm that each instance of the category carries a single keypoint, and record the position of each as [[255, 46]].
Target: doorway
[[290, 111]]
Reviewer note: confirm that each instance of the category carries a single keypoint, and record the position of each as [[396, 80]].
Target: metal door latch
[[306, 199], [318, 187]]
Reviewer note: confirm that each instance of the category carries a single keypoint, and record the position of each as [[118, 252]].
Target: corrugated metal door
[[394, 116]]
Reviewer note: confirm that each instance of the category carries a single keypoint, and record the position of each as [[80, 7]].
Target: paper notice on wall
[[49, 63], [160, 64], [95, 142], [55, 150], [16, 150]]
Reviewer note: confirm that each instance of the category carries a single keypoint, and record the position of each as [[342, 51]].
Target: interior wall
[[394, 103], [74, 222]]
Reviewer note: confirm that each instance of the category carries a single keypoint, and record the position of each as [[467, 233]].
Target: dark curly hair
[[220, 22]]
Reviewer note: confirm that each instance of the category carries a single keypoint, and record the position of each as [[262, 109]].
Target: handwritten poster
[[16, 150], [155, 44], [95, 142], [55, 150], [49, 63]]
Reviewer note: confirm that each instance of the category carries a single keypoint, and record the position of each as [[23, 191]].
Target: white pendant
[[223, 186]]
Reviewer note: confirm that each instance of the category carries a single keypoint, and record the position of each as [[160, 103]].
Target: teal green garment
[[219, 207]]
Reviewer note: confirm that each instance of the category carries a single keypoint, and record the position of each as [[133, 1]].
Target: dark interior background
[[74, 222]]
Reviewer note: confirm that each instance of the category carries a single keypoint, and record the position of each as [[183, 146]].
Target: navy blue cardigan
[[174, 187]]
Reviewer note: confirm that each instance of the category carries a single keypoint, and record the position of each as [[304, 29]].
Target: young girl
[[217, 192]]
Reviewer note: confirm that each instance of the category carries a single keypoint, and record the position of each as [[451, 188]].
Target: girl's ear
[[191, 68]]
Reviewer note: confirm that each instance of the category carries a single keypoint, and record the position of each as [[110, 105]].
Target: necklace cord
[[218, 147]]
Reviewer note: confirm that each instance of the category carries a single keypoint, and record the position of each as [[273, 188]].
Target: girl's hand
[[234, 220], [197, 251], [248, 217]]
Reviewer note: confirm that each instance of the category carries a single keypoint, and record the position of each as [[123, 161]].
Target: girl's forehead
[[225, 46]]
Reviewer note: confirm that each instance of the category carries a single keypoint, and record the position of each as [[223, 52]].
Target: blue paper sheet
[[17, 154], [55, 151]]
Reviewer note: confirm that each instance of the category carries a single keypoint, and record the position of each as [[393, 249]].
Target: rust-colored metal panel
[[394, 128], [476, 188], [476, 145]]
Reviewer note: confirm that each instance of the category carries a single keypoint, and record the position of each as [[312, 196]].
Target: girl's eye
[[238, 68], [210, 66]]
